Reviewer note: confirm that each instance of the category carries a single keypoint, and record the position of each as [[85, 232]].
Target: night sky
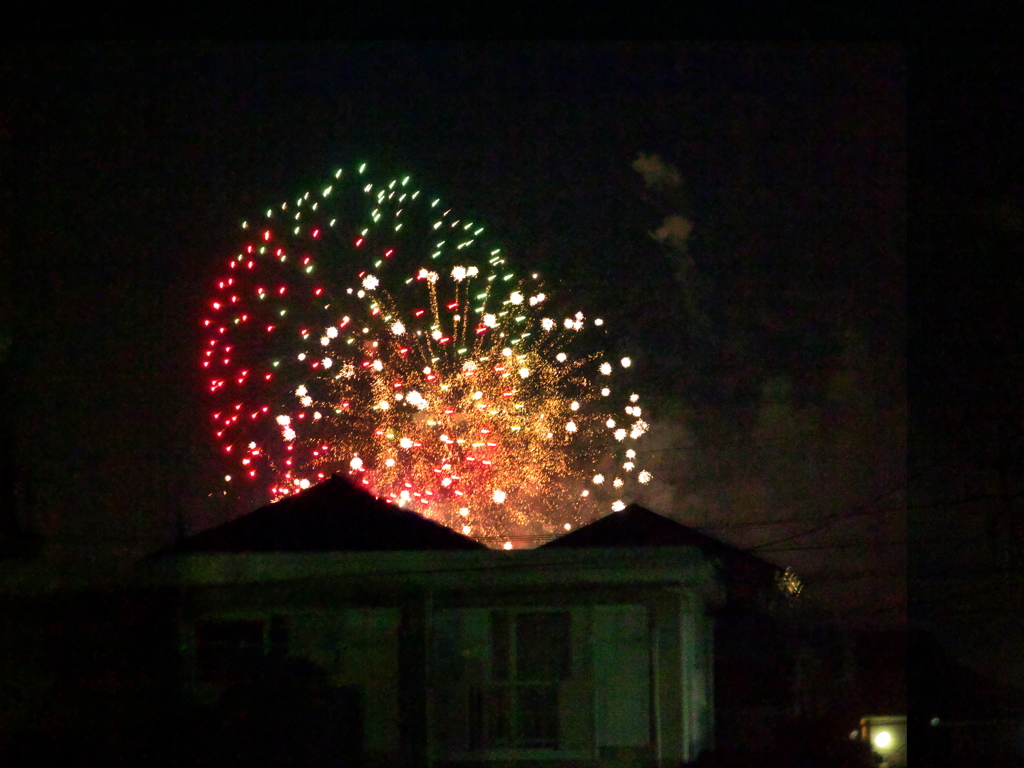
[[967, 415], [770, 343]]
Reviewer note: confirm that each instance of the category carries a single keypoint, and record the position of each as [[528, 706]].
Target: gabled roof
[[333, 516], [636, 526]]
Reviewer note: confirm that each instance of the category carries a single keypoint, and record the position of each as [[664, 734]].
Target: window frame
[[512, 685]]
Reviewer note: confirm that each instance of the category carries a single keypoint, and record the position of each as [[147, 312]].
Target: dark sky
[[967, 413], [774, 367]]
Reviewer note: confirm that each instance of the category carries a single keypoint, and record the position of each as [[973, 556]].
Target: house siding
[[622, 675], [639, 692], [415, 649]]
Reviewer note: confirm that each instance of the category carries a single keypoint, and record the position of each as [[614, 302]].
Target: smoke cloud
[[656, 173], [674, 232]]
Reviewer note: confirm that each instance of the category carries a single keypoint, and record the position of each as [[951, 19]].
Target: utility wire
[[864, 509], [848, 545]]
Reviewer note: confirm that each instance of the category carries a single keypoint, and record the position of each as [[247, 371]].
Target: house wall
[[461, 663], [356, 648], [697, 685], [640, 691], [622, 676]]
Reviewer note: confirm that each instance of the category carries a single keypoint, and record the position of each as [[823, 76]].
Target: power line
[[848, 545], [859, 510]]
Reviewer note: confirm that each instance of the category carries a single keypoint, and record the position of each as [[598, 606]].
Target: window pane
[[500, 651], [543, 649], [538, 716]]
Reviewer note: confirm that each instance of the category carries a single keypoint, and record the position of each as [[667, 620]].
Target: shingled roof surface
[[334, 516], [636, 526]]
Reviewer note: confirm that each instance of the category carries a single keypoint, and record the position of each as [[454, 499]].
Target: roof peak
[[334, 515], [637, 526]]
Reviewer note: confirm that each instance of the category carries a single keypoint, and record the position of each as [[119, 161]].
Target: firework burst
[[399, 348]]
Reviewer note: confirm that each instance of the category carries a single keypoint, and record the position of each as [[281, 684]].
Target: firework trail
[[368, 330]]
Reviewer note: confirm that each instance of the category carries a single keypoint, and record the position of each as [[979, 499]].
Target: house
[[594, 649], [753, 653]]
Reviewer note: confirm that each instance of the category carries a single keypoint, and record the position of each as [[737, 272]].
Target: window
[[234, 650], [530, 655]]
